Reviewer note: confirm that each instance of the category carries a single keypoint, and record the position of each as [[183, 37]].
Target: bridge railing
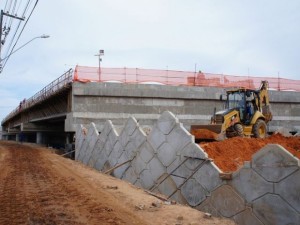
[[187, 78], [49, 90]]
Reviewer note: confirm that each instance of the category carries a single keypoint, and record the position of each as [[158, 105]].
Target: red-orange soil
[[230, 154], [204, 134]]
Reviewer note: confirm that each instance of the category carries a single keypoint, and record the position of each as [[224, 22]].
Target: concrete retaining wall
[[167, 161], [98, 102]]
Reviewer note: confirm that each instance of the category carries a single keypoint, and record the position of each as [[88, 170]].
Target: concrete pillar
[[39, 138], [17, 137], [68, 138]]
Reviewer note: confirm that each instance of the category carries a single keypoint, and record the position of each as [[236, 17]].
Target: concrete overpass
[[50, 117]]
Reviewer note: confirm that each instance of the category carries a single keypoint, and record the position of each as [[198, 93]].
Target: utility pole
[[1, 29]]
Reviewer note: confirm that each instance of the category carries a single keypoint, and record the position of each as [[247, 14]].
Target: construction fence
[[171, 77]]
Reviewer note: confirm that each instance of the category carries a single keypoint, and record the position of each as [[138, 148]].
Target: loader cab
[[243, 101], [235, 99]]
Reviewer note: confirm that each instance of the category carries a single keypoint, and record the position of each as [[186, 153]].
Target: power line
[[1, 69]]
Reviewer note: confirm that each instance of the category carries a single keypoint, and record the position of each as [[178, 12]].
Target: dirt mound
[[204, 134], [230, 154]]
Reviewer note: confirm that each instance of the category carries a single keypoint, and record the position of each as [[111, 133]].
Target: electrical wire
[[24, 12], [16, 30]]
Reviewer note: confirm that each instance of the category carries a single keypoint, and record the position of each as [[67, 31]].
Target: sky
[[234, 37]]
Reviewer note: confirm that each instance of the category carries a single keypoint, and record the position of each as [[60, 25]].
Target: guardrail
[[51, 89]]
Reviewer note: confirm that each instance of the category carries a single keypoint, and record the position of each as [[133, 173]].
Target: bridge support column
[[39, 138]]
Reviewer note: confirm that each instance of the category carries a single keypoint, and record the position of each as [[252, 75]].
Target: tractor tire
[[260, 129], [239, 130]]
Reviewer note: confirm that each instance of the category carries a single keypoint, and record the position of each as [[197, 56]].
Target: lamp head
[[45, 36]]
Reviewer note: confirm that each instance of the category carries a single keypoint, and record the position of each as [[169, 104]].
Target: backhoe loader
[[246, 114]]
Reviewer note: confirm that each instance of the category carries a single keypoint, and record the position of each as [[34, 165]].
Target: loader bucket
[[212, 132]]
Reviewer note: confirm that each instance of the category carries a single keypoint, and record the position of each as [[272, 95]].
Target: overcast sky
[[235, 37]]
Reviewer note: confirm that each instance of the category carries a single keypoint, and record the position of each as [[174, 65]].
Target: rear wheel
[[239, 130], [260, 129]]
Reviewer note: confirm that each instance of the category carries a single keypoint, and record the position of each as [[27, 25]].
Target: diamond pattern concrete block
[[107, 128], [87, 153], [192, 164], [177, 168], [124, 138], [289, 190], [123, 158], [91, 161], [101, 161], [99, 147], [137, 183], [138, 137], [166, 154], [108, 148], [168, 186], [193, 192], [156, 168], [227, 201], [91, 130], [178, 180], [130, 175], [156, 138], [83, 150], [139, 165], [93, 140], [274, 163], [272, 209], [167, 122], [193, 150], [146, 152], [250, 185], [207, 207], [117, 150], [130, 125], [79, 148], [113, 137], [106, 166], [78, 140], [130, 150], [120, 171], [103, 138], [146, 179], [112, 161], [247, 218], [208, 176], [178, 197], [180, 138]]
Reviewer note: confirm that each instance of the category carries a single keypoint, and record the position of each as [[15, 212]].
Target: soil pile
[[204, 134], [230, 154]]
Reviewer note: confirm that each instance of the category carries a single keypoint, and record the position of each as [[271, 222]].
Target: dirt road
[[39, 187]]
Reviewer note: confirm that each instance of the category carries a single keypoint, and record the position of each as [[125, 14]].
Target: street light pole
[[43, 36], [5, 58], [101, 53]]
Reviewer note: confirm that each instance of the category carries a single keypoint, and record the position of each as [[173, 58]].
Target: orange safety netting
[[171, 77]]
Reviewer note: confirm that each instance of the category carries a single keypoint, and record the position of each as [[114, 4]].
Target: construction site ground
[[37, 186]]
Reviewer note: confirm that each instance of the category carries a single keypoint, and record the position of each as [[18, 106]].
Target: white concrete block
[[274, 163], [166, 154], [167, 122], [193, 192], [272, 209]]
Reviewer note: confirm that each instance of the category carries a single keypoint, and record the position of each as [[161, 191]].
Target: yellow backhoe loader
[[247, 113]]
